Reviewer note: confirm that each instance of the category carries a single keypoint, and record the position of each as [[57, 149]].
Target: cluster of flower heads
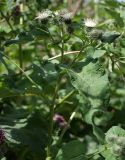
[[63, 15], [2, 136]]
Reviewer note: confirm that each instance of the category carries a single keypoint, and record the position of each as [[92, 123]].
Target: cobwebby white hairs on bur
[[44, 15]]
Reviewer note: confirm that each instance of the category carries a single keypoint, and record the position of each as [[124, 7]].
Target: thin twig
[[20, 56], [66, 53], [66, 97], [62, 48]]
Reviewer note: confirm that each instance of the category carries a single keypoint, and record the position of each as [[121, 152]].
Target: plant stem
[[51, 117], [20, 56], [66, 97], [20, 46], [77, 56], [96, 10], [98, 152], [62, 48], [67, 53]]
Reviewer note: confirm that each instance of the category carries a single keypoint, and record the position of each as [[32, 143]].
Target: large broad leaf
[[91, 81], [116, 16], [44, 75], [112, 3], [74, 150], [95, 53], [98, 53], [21, 38], [98, 117], [26, 130]]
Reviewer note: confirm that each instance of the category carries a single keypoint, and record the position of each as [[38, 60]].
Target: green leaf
[[98, 53], [98, 117], [91, 81], [22, 38], [4, 158], [116, 16], [109, 37], [26, 130], [74, 150], [99, 134], [112, 3], [95, 53]]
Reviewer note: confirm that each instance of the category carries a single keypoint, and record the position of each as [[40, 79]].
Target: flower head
[[44, 15], [66, 16], [2, 135], [59, 120], [90, 23]]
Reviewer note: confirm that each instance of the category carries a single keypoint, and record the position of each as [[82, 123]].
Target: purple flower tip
[[58, 118]]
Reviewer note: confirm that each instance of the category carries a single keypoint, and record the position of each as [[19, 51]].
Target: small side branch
[[67, 53]]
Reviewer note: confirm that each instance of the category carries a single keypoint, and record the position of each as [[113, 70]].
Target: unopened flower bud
[[70, 29], [95, 34]]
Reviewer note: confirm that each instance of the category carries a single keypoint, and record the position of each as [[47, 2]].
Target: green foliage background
[[62, 68]]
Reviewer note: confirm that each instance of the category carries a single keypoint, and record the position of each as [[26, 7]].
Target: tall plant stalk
[[20, 56], [52, 107]]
